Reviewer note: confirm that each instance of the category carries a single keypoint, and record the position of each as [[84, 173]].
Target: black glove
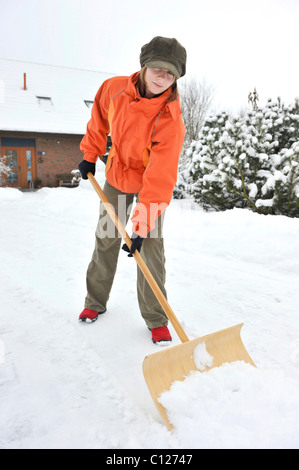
[[136, 245], [86, 167]]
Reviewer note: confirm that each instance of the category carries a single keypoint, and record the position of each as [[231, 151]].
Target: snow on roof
[[57, 99]]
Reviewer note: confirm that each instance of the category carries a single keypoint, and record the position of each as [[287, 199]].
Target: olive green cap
[[166, 53]]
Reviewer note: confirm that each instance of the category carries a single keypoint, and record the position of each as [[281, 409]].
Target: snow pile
[[71, 385], [202, 359], [235, 406]]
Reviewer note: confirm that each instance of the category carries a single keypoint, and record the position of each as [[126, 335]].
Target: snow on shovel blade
[[163, 368]]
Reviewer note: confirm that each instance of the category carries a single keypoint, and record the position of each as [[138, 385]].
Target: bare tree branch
[[196, 101]]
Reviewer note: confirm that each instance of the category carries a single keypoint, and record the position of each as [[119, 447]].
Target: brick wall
[[56, 155]]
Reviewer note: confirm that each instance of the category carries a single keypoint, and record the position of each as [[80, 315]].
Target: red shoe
[[160, 334], [89, 315]]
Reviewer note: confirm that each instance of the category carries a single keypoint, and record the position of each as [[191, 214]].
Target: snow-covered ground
[[64, 384]]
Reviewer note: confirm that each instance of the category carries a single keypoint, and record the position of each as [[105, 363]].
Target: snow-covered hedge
[[250, 161]]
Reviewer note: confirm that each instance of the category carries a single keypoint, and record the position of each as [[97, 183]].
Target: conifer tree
[[251, 161]]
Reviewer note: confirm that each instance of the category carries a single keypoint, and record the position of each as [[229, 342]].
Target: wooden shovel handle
[[141, 263]]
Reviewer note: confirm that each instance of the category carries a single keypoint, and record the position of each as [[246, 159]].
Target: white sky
[[235, 45]]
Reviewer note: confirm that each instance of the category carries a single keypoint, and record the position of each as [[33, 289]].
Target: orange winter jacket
[[147, 137]]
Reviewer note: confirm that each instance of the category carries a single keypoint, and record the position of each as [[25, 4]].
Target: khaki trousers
[[102, 267]]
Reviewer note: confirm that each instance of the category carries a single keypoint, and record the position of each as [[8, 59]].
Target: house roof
[[57, 99]]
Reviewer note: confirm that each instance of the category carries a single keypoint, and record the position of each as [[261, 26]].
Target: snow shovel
[[162, 368]]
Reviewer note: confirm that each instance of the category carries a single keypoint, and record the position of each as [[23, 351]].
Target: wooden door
[[21, 162]]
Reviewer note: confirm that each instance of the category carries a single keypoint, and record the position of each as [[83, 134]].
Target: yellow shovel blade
[[163, 368]]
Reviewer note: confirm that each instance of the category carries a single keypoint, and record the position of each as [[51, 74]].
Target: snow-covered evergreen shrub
[[4, 170], [250, 161], [76, 176], [286, 183]]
